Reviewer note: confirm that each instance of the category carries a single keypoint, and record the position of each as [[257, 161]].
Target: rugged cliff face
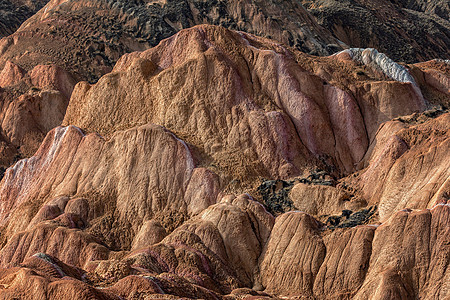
[[104, 30], [219, 165], [86, 39], [32, 103]]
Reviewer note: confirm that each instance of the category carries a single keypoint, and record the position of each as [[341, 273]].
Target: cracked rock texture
[[86, 38], [270, 90], [32, 103], [104, 30]]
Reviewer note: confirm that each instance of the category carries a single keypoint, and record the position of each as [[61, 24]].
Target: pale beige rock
[[52, 77], [409, 166], [78, 206], [150, 233], [34, 104], [53, 240], [405, 257], [320, 200], [28, 119], [269, 105], [236, 229], [235, 109], [202, 190], [410, 257], [139, 174], [11, 74], [438, 80], [346, 262], [293, 255]]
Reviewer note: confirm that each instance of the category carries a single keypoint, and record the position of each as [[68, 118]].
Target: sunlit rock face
[[40, 33], [32, 103], [105, 30], [84, 39], [332, 124], [222, 165]]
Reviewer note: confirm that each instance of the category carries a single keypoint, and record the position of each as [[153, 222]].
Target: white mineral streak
[[19, 178], [381, 62], [447, 61], [189, 159]]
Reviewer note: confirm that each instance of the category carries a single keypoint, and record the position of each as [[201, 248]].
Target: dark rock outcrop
[[14, 12], [408, 31]]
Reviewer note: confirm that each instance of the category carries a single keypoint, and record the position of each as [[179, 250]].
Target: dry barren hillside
[[276, 152], [222, 165]]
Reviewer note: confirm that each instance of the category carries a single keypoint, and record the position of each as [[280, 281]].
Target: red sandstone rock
[[139, 197], [26, 119], [258, 79], [409, 257], [146, 210], [11, 74], [292, 257], [408, 167]]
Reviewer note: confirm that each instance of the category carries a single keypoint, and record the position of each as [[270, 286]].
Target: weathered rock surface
[[408, 31], [405, 257], [86, 38], [322, 200], [434, 80], [408, 165], [410, 257], [292, 256], [138, 201], [32, 103], [105, 30], [14, 12], [190, 262], [236, 230], [122, 188], [269, 89], [438, 7]]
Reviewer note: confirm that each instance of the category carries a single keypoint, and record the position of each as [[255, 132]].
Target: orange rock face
[[408, 166], [33, 103], [265, 85], [153, 187], [402, 258]]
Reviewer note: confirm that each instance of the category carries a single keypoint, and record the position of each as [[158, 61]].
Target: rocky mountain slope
[[105, 30], [222, 165], [33, 103], [14, 12], [86, 38], [408, 31]]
